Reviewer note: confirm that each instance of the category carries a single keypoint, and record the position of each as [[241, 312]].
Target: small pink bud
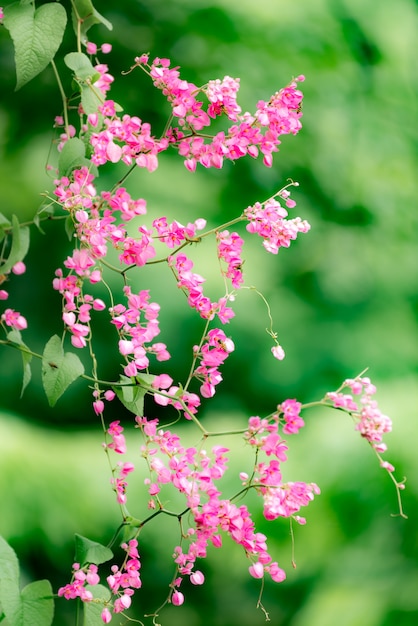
[[106, 616], [126, 347], [177, 598], [256, 570], [91, 48], [278, 352], [19, 268], [98, 305], [98, 406], [197, 578], [106, 48], [95, 276], [3, 294]]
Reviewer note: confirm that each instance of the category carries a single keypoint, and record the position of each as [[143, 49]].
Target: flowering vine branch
[[95, 131]]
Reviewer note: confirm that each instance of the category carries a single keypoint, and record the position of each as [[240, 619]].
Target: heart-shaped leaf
[[34, 605], [88, 551], [59, 369], [36, 35]]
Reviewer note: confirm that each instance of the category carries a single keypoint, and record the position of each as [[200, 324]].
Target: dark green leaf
[[131, 395], [15, 337], [36, 36], [88, 551], [59, 369], [20, 245]]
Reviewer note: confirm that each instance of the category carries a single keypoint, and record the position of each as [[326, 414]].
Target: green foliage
[[85, 16], [93, 609], [36, 35], [132, 394], [81, 66], [20, 244], [59, 369], [34, 605], [15, 337], [72, 156], [88, 551]]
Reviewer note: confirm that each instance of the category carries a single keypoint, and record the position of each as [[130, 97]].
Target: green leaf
[[91, 99], [59, 369], [93, 609], [36, 35], [5, 225], [81, 66], [9, 581], [69, 227], [37, 605], [72, 156], [34, 605], [20, 245], [47, 209], [15, 337], [88, 15], [131, 395], [88, 551]]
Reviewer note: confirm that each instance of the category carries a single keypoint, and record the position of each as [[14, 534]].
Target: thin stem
[[63, 97]]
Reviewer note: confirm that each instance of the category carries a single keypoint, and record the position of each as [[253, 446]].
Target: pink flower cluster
[[369, 420], [11, 318], [138, 325], [229, 251], [175, 233], [194, 473], [130, 139], [81, 576], [213, 352], [14, 319], [289, 410], [122, 582], [100, 223], [280, 499], [191, 283], [268, 220]]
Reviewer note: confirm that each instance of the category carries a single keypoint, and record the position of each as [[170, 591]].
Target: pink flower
[[19, 268], [106, 616], [256, 570], [14, 319], [177, 598], [91, 48], [278, 352], [197, 578]]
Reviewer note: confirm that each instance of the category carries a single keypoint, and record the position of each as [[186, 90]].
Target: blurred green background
[[343, 297]]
